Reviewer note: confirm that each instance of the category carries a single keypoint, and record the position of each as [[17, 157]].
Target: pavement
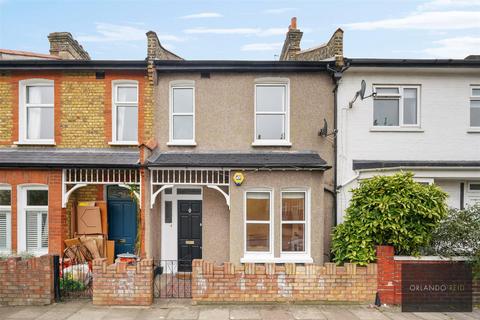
[[183, 309]]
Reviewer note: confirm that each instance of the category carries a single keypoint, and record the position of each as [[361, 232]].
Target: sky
[[246, 30]]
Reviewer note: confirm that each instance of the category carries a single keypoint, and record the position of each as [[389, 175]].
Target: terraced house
[[227, 160]]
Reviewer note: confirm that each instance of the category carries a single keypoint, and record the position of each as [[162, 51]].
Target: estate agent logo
[[438, 287]]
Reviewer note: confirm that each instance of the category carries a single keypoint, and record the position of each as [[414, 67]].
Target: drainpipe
[[336, 77]]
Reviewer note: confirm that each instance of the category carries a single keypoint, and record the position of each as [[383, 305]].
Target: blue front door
[[122, 219]]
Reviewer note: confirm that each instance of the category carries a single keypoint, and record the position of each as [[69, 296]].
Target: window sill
[[473, 130], [284, 258], [35, 143], [260, 143], [396, 129], [181, 144], [123, 143]]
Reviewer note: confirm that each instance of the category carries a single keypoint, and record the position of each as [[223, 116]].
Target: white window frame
[[399, 97], [266, 82], [258, 256], [7, 209], [115, 104], [22, 101], [22, 218], [472, 98], [181, 84], [300, 256]]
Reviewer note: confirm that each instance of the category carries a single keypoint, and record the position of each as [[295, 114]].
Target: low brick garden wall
[[121, 284], [271, 282], [26, 281]]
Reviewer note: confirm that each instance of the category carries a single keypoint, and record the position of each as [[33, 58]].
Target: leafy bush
[[458, 234], [388, 210], [69, 284]]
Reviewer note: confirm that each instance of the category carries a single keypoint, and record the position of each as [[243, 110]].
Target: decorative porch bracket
[[73, 179], [164, 178]]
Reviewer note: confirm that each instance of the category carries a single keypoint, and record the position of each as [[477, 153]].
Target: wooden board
[[103, 212], [110, 251]]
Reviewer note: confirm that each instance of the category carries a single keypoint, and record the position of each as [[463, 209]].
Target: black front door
[[189, 233]]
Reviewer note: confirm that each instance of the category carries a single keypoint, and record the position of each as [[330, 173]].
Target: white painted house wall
[[443, 132]]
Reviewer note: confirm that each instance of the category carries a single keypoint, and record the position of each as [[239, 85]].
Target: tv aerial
[[361, 93]]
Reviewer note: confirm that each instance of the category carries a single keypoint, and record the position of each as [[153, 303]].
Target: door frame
[[169, 231], [201, 233]]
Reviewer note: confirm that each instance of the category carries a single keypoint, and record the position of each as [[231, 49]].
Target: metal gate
[[73, 276], [169, 282]]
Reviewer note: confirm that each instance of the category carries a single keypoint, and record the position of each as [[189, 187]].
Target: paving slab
[[335, 312], [122, 314], [29, 312], [212, 313], [89, 313], [245, 313], [306, 313], [183, 314], [367, 313], [276, 313], [153, 313]]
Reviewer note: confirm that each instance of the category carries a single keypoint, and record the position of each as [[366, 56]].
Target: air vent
[[205, 75], [100, 74]]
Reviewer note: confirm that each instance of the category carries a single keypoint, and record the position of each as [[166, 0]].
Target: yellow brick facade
[[6, 113]]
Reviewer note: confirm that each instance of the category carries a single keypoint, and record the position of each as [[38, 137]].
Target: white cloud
[[107, 32], [448, 4], [458, 47], [437, 20], [202, 15], [262, 46], [278, 10], [238, 31]]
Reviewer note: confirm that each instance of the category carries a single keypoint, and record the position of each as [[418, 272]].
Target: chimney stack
[[291, 46], [64, 46]]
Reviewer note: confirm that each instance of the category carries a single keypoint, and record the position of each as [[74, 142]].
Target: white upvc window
[[182, 113], [258, 225], [5, 219], [474, 114], [124, 112], [33, 219], [295, 216], [36, 112], [272, 112], [396, 106]]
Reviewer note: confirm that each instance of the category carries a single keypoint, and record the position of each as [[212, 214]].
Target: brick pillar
[[386, 274]]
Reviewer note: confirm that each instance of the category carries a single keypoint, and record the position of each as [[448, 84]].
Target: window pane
[[475, 186], [476, 92], [258, 206], [37, 197], [32, 230], [40, 94], [183, 100], [258, 237], [410, 106], [3, 229], [44, 230], [385, 112], [126, 94], [183, 127], [189, 191], [270, 98], [40, 123], [387, 91], [270, 127], [168, 191], [293, 206], [168, 211], [293, 237], [127, 123], [5, 197], [475, 113]]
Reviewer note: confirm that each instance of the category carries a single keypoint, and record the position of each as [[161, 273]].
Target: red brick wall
[[120, 284], [57, 220], [282, 283], [390, 276], [26, 282]]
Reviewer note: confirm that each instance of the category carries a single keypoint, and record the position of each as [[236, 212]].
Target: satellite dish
[[363, 87]]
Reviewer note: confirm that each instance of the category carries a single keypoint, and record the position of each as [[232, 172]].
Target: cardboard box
[[89, 220], [103, 212]]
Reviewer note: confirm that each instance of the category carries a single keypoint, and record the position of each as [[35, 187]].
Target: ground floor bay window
[[258, 222], [294, 222], [5, 219], [33, 219]]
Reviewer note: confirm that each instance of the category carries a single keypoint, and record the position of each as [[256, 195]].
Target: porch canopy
[[213, 169], [80, 167]]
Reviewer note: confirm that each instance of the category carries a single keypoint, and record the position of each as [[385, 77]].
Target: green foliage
[[23, 255], [388, 210], [134, 189], [458, 234], [69, 284]]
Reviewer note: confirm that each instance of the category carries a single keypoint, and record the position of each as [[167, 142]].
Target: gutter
[[73, 65], [414, 63]]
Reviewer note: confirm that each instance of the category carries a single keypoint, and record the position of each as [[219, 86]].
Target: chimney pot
[[293, 23]]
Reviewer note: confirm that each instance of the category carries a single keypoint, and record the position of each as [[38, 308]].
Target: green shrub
[[388, 210], [458, 234], [69, 284]]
